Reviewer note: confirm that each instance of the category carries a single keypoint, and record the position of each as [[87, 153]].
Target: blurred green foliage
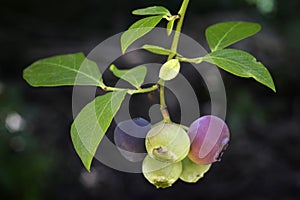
[[24, 165]]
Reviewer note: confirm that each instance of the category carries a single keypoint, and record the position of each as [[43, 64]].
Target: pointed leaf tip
[[92, 122], [241, 63], [134, 76], [153, 10], [137, 30], [221, 35], [63, 70]]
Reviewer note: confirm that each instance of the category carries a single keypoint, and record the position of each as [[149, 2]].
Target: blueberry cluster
[[173, 153]]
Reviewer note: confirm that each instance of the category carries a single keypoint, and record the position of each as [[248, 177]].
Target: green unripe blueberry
[[167, 143], [192, 172], [161, 174]]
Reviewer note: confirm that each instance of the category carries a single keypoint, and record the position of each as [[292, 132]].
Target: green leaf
[[159, 50], [137, 30], [134, 76], [169, 70], [221, 35], [241, 63], [153, 10], [63, 70], [92, 122], [170, 26]]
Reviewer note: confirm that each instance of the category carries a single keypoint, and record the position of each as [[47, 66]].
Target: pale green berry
[[167, 143], [161, 174], [192, 172]]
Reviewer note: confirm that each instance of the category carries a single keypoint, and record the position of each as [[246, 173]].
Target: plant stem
[[144, 90], [130, 91], [181, 13], [191, 60], [163, 106]]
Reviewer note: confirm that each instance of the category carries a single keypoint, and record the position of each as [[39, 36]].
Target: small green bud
[[167, 143], [192, 172], [161, 174]]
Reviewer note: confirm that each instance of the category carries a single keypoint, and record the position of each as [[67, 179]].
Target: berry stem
[[163, 106], [181, 14]]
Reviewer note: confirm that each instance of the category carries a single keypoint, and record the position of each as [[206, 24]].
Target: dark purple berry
[[129, 137]]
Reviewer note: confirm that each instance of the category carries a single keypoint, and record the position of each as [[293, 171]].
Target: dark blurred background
[[37, 159]]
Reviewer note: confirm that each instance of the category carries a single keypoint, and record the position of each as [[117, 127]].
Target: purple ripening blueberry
[[209, 136], [129, 137]]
